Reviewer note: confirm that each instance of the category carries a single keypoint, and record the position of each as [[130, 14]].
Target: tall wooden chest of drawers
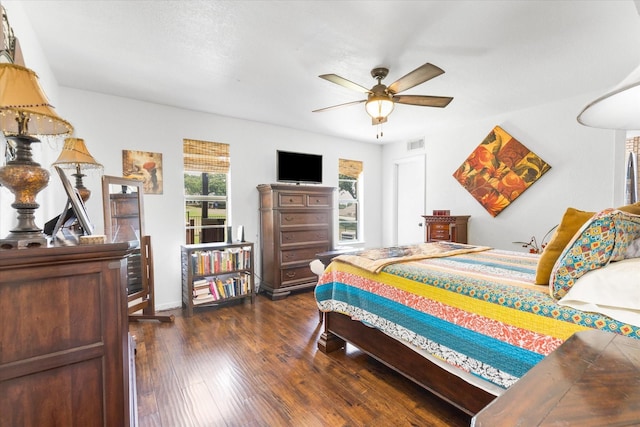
[[446, 228], [296, 223]]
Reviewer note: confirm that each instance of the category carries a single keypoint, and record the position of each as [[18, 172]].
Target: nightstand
[[450, 228]]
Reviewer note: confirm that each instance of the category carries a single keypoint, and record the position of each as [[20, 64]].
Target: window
[[206, 183], [349, 200]]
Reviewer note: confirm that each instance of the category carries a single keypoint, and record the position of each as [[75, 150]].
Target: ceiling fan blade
[[339, 105], [414, 78], [344, 82], [423, 100]]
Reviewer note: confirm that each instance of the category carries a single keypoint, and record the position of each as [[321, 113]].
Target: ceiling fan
[[381, 99]]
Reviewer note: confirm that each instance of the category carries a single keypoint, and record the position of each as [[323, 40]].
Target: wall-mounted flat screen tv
[[298, 167]]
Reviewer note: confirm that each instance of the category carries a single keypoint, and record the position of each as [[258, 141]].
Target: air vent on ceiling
[[415, 145]]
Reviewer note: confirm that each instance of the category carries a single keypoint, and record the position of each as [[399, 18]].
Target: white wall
[[586, 172], [111, 124]]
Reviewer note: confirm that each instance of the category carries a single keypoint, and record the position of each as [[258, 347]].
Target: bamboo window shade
[[205, 156], [350, 168]]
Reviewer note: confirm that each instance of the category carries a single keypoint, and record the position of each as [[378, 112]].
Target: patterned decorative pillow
[[572, 221], [603, 239]]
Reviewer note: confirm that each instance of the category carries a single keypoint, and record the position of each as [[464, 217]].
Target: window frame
[[350, 171], [201, 158]]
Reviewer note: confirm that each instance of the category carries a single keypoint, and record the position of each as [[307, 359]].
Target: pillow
[[602, 239], [571, 222], [633, 208], [613, 290]]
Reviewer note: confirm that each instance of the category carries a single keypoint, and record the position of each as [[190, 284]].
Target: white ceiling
[[259, 60]]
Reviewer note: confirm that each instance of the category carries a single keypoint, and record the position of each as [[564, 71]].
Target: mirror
[[122, 201], [123, 210]]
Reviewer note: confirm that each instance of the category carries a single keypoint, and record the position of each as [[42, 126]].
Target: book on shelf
[[201, 291], [198, 283], [216, 288], [203, 299], [213, 289], [215, 261]]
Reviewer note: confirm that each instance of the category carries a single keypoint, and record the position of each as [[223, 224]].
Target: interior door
[[410, 203]]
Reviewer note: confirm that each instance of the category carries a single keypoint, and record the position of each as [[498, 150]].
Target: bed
[[466, 322]]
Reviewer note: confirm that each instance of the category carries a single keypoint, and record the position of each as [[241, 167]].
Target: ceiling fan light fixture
[[381, 99], [379, 106]]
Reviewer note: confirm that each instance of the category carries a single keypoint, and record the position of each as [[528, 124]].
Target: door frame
[[396, 165]]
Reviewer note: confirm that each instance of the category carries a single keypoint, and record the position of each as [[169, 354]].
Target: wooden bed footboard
[[340, 329]]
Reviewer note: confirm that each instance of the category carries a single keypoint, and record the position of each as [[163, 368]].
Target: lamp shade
[[379, 106], [618, 109], [75, 153], [22, 101]]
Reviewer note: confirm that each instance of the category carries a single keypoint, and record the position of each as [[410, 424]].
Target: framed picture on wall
[[143, 166]]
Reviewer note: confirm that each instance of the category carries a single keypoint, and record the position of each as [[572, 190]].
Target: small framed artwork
[[73, 198], [143, 166]]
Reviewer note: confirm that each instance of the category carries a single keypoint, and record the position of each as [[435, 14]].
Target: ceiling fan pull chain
[[379, 132]]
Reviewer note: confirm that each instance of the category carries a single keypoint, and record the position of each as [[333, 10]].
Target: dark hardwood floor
[[258, 365]]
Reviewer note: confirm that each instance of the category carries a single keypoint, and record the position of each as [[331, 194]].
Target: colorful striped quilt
[[479, 312]]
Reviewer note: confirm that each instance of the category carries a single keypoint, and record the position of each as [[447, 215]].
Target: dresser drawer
[[318, 200], [439, 231], [440, 236], [291, 237], [304, 218], [295, 275], [440, 226], [306, 254], [291, 200]]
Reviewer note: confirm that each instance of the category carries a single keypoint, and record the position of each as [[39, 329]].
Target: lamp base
[[24, 240], [24, 178]]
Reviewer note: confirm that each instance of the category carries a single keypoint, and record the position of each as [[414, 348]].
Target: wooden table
[[591, 379]]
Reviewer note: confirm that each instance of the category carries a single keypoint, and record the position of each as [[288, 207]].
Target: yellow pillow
[[632, 209], [571, 222]]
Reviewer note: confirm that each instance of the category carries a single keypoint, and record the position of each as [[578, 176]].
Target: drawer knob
[[291, 200], [288, 218], [291, 275]]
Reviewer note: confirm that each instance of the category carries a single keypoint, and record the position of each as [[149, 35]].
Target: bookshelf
[[216, 273]]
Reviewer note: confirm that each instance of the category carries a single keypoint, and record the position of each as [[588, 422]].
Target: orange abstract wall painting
[[499, 170]]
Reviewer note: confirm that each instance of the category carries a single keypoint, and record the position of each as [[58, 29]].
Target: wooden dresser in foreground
[[592, 379], [64, 344], [448, 228], [296, 223]]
